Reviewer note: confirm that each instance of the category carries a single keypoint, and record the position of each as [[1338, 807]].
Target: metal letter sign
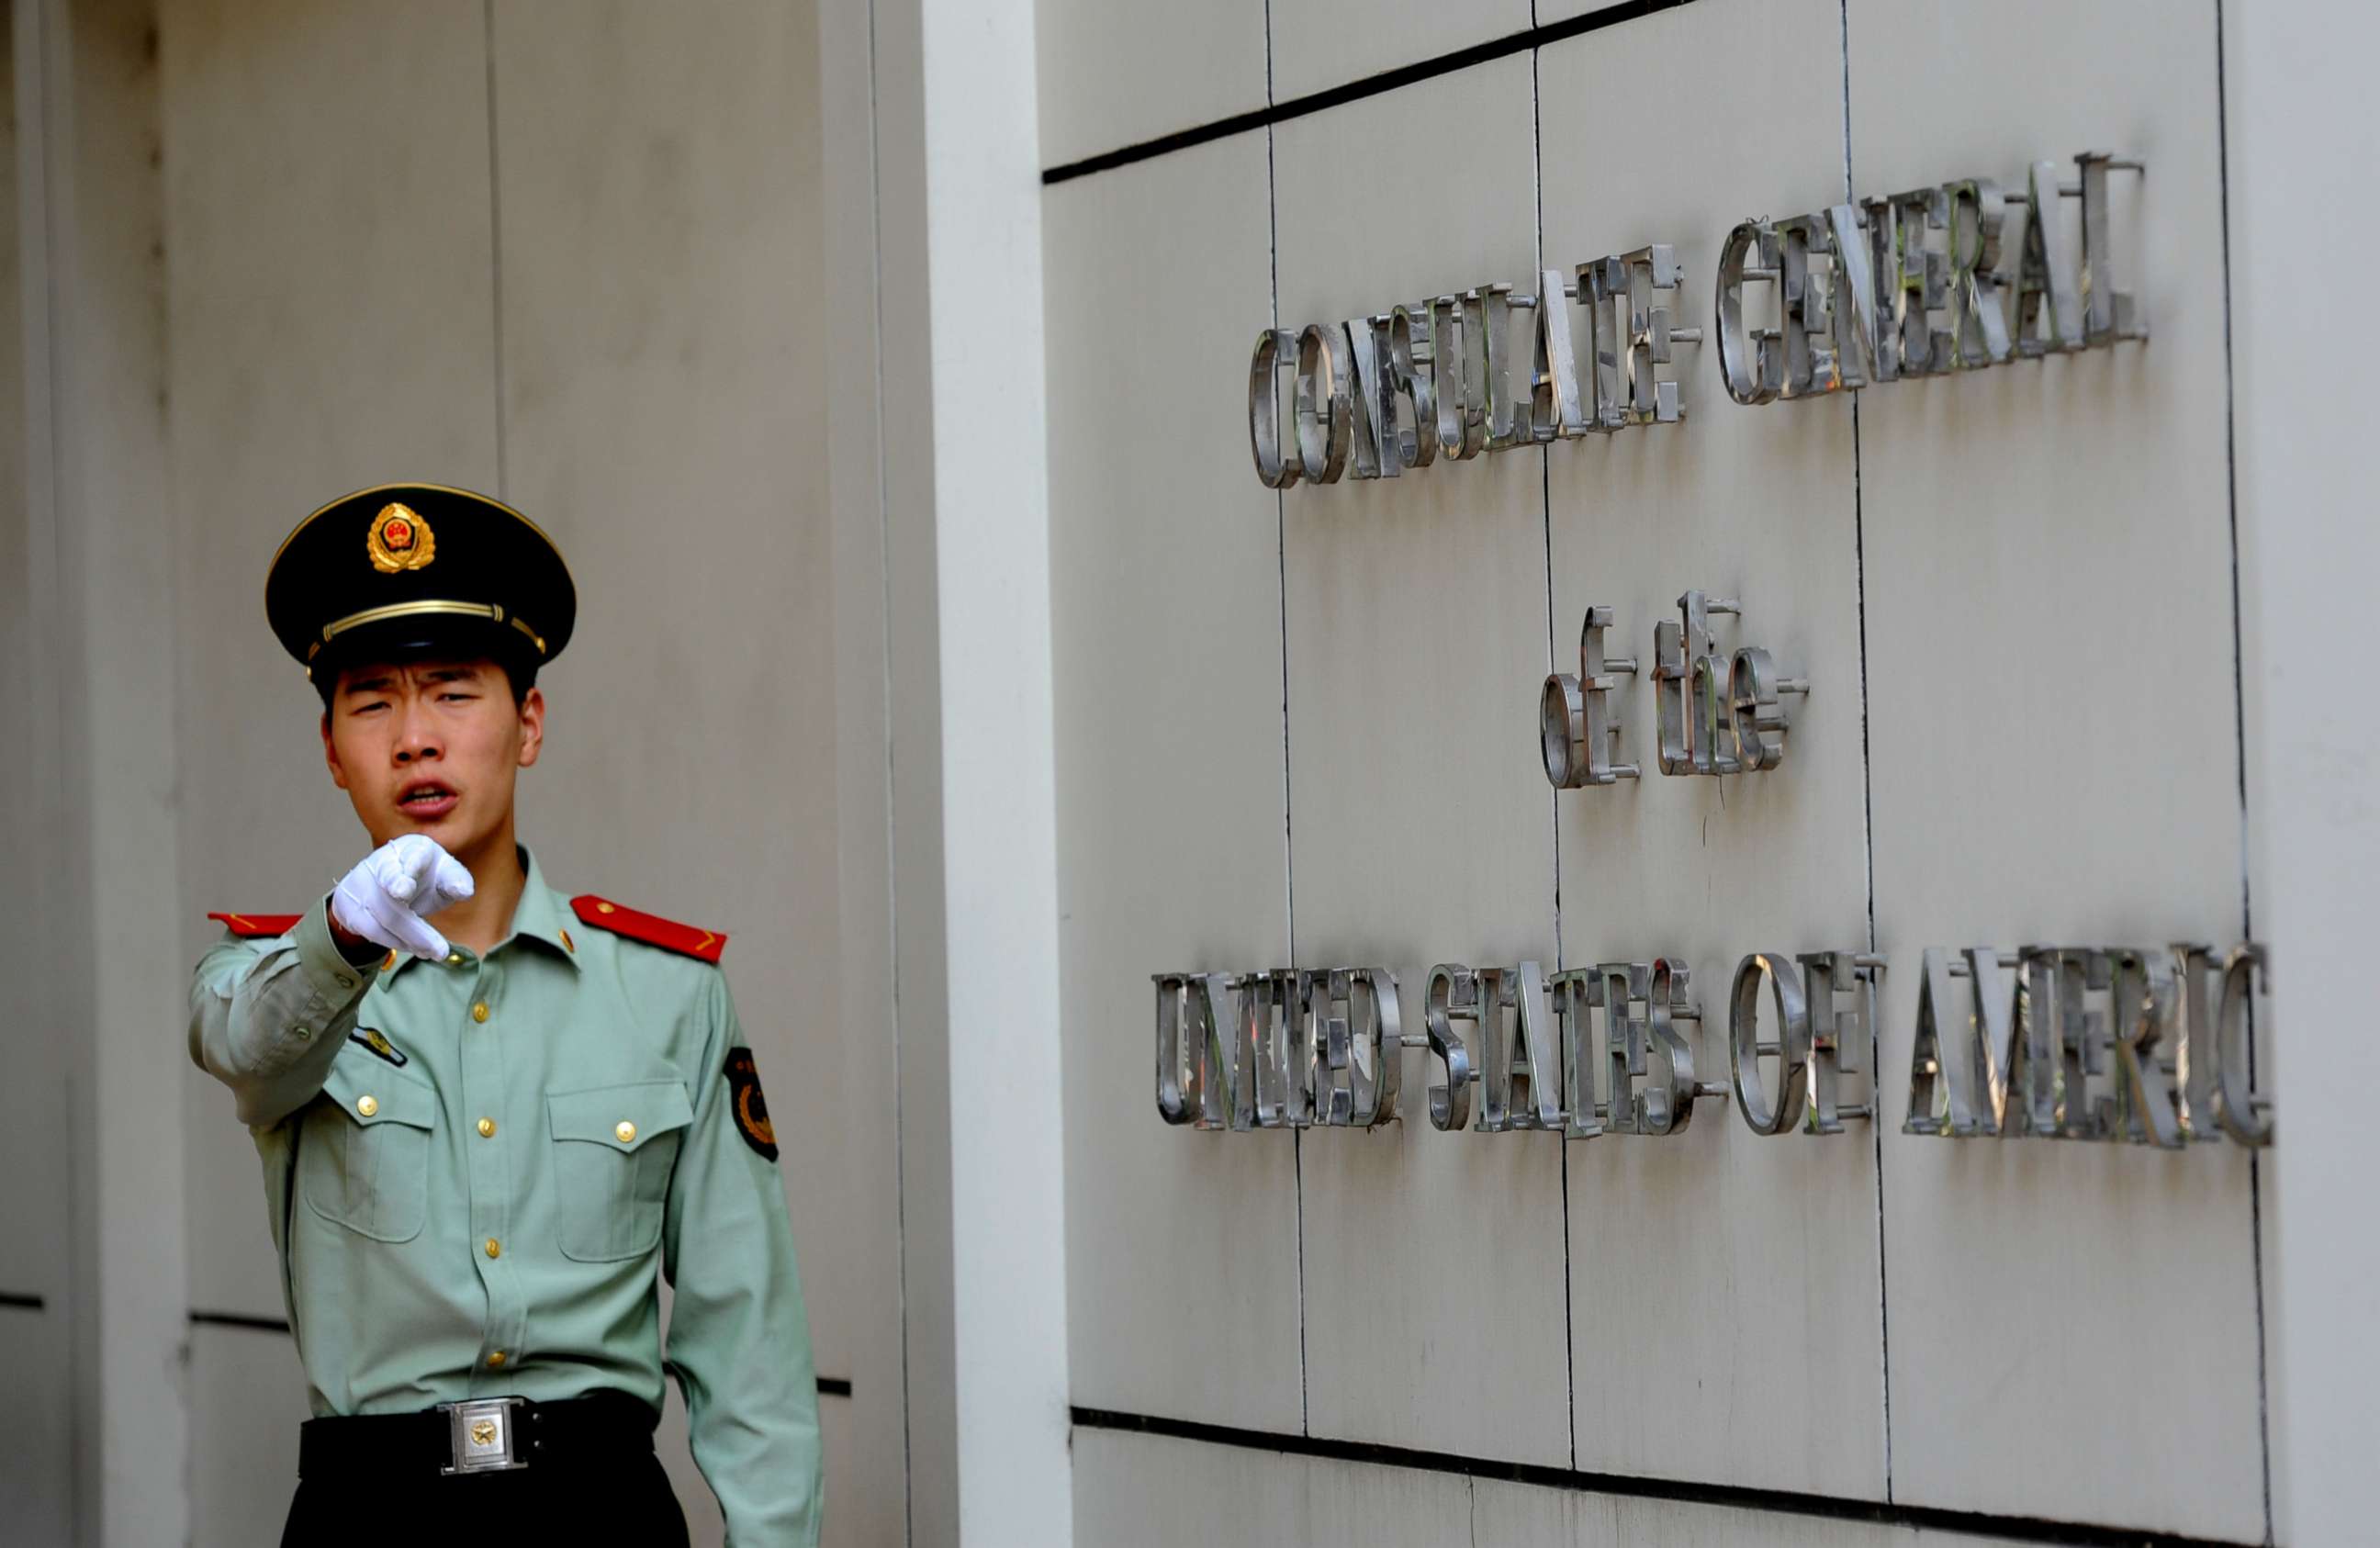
[[2087, 1042], [1816, 1041], [1925, 283], [2078, 1043], [1373, 396], [1281, 1048], [1575, 721], [1717, 714], [1585, 1052], [1628, 320], [1535, 1054], [1912, 284]]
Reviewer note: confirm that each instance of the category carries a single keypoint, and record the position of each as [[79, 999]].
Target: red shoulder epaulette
[[252, 925], [650, 928]]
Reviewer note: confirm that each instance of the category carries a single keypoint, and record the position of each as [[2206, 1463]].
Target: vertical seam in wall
[[1867, 833], [892, 868], [2240, 744], [496, 247], [175, 543], [1287, 849], [1549, 309]]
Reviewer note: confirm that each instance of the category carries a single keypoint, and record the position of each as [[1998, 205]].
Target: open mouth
[[425, 799]]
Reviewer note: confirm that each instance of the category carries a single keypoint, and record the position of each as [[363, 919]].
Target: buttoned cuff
[[337, 982]]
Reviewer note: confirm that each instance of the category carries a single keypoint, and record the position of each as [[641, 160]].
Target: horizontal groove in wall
[[2008, 1528], [1355, 91], [21, 1301], [239, 1319], [829, 1386]]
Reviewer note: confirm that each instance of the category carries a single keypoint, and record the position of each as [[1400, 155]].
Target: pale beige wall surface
[[1169, 734], [1408, 619], [1712, 1309], [2037, 527], [1777, 1277], [603, 308], [247, 1394], [34, 1485], [2298, 105], [96, 420], [1156, 1491], [1317, 45], [1112, 72]]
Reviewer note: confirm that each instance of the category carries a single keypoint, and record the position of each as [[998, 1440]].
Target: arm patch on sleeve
[[751, 1108]]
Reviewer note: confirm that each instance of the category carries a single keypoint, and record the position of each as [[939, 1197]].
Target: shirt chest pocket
[[364, 1157], [613, 1149]]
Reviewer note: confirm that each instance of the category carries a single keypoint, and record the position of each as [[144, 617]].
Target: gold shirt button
[[628, 1132], [453, 957], [496, 1361], [487, 1129], [493, 1250], [479, 1012], [368, 1104], [605, 908]]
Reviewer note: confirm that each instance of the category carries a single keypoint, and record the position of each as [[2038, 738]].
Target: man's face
[[431, 746]]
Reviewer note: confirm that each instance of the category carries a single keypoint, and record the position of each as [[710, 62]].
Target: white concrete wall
[[993, 579], [2308, 553], [1302, 729]]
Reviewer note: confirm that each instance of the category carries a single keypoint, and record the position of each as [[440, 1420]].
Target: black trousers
[[624, 1501]]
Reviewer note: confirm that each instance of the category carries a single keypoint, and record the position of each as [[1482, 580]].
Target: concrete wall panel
[[1322, 43], [2033, 534], [1550, 11], [36, 1325], [1419, 831], [1155, 1492], [248, 1394], [36, 1475], [1521, 1514], [1757, 1256], [1116, 72], [1166, 592]]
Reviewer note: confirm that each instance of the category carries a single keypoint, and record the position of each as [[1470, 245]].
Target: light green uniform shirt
[[477, 1212]]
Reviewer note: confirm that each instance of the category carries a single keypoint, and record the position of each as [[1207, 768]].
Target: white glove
[[389, 895]]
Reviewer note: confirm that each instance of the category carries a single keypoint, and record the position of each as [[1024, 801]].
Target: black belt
[[490, 1434]]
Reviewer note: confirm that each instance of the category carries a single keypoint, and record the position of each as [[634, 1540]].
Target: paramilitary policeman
[[487, 1113]]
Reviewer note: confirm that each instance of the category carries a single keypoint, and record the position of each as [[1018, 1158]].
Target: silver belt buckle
[[485, 1438]]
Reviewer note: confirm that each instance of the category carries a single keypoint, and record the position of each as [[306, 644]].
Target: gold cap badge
[[399, 539]]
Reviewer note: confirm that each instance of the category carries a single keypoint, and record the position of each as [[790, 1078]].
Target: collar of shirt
[[539, 916]]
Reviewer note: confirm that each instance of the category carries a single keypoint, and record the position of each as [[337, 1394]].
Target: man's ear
[[330, 755], [532, 724]]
